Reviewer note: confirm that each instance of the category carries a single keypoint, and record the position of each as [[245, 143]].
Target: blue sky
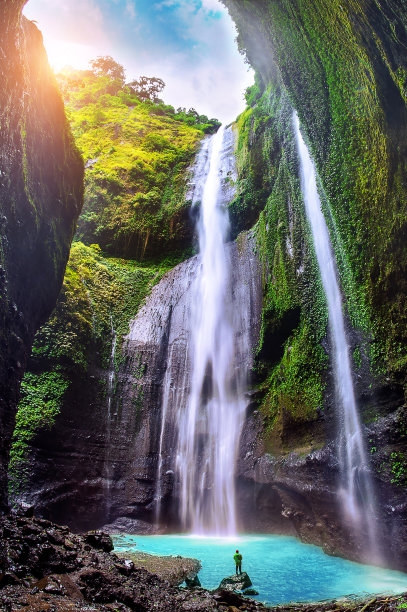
[[188, 43]]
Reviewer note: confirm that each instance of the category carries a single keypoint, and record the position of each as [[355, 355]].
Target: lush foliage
[[290, 361], [345, 75], [41, 398], [137, 153], [147, 88]]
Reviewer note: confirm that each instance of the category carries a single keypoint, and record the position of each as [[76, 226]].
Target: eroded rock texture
[[41, 176]]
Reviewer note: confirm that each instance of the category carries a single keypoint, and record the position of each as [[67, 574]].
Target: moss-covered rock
[[73, 349], [137, 169], [137, 156], [290, 361], [343, 66]]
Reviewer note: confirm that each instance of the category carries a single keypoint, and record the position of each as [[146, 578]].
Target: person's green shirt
[[238, 558]]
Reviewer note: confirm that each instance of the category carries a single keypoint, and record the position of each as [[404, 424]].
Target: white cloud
[[76, 21], [130, 9], [210, 75]]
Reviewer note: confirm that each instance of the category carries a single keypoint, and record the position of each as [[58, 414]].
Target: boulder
[[250, 592], [236, 582], [193, 582], [99, 540], [227, 597]]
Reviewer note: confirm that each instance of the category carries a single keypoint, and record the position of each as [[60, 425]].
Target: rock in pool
[[236, 583]]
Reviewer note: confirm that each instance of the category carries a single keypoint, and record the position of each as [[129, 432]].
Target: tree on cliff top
[[106, 66], [147, 88]]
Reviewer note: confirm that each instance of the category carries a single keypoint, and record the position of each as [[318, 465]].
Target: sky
[[190, 44]]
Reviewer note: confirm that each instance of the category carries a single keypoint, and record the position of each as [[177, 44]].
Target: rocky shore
[[173, 569], [46, 568]]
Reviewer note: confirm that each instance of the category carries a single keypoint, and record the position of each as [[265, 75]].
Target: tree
[[147, 88], [106, 66]]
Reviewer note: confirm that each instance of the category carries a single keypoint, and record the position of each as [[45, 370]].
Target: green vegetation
[[41, 398], [290, 361], [99, 297], [398, 469], [345, 75], [137, 152]]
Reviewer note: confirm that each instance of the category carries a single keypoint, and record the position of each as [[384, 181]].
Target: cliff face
[[341, 67], [41, 175], [105, 461], [106, 439], [344, 69]]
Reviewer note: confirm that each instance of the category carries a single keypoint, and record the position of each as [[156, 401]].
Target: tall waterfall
[[356, 490], [211, 420]]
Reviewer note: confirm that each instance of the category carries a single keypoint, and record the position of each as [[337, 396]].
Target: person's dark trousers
[[239, 567]]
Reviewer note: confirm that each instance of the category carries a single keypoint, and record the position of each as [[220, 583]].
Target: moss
[[343, 67], [398, 469], [41, 397], [99, 297], [290, 362], [137, 156]]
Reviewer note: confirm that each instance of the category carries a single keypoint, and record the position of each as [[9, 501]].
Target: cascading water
[[356, 489], [110, 394], [211, 420]]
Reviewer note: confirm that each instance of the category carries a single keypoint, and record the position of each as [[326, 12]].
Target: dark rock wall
[[159, 372], [41, 175], [99, 460]]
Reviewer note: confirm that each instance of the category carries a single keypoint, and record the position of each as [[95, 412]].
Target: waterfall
[[356, 488], [210, 422], [110, 394]]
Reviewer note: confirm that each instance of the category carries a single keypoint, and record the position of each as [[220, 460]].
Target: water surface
[[281, 568]]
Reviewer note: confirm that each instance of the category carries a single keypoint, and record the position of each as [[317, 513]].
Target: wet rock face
[[104, 470], [236, 582], [41, 175], [296, 493], [156, 378], [291, 474]]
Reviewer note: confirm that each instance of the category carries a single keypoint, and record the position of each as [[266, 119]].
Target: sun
[[62, 54]]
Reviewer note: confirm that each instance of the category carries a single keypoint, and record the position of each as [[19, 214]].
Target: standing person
[[238, 560]]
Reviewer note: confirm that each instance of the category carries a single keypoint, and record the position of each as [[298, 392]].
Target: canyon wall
[[341, 67], [41, 175], [101, 461]]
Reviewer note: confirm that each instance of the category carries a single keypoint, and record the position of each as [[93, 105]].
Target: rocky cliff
[[105, 464], [341, 67], [41, 174], [102, 390]]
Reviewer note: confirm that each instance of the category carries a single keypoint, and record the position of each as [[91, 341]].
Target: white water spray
[[356, 490], [210, 423]]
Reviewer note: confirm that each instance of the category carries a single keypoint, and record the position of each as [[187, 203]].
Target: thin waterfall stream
[[211, 419], [356, 488], [110, 395]]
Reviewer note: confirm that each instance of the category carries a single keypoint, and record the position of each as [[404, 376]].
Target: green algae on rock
[[99, 297]]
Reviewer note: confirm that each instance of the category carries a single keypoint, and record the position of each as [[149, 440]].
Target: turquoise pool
[[281, 568]]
